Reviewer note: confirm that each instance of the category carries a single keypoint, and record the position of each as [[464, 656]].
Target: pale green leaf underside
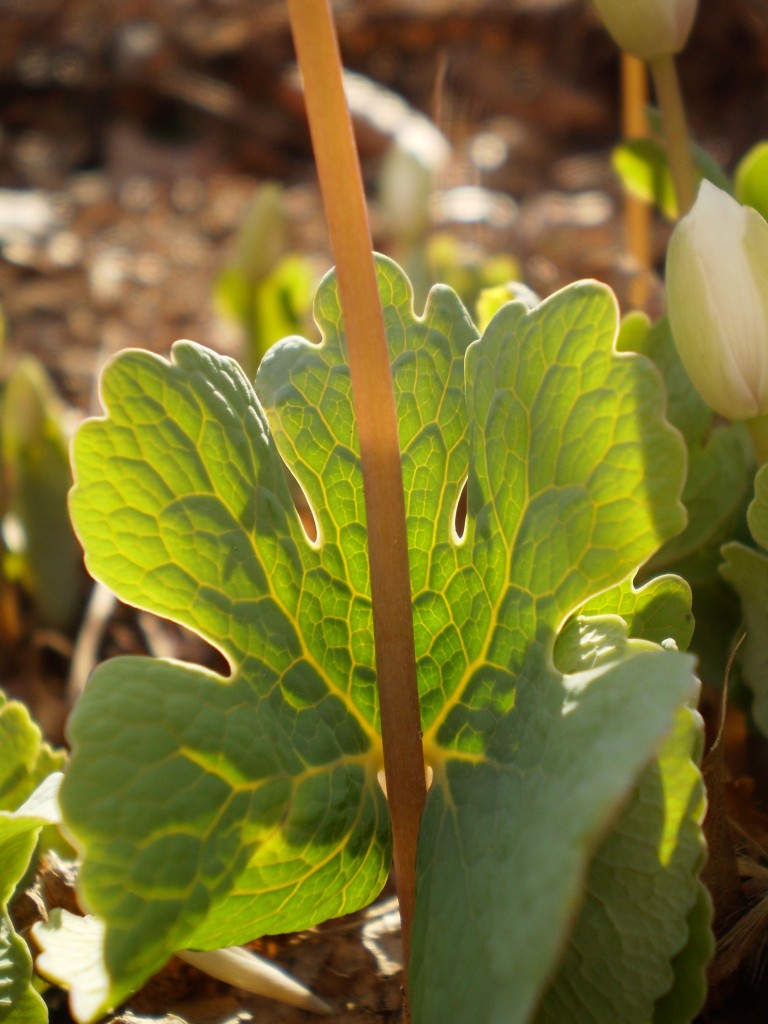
[[643, 939], [211, 810], [641, 886]]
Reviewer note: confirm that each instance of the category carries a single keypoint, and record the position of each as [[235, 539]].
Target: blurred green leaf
[[720, 466], [751, 178], [25, 762], [643, 169], [467, 269], [641, 165], [275, 306], [746, 569], [25, 759], [44, 553]]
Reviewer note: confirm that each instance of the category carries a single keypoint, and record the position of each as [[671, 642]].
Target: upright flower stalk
[[637, 212], [654, 31], [676, 136], [344, 200]]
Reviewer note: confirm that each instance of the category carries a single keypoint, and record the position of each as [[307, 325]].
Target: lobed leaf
[[213, 809]]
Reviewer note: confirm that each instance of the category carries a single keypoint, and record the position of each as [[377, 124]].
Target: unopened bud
[[717, 290], [648, 28]]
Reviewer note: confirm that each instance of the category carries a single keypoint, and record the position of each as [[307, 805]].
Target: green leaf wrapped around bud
[[648, 28], [717, 291]]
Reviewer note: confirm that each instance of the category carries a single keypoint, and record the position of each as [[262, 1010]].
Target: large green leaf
[[212, 809]]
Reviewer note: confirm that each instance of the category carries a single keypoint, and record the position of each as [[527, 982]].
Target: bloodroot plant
[[529, 659]]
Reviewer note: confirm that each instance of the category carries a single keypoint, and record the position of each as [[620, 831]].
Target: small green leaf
[[25, 759], [641, 165], [490, 300], [633, 332], [751, 178], [19, 831], [757, 513], [643, 169], [658, 611]]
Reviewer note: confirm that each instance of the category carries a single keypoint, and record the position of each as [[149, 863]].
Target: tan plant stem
[[637, 213], [344, 199], [676, 138]]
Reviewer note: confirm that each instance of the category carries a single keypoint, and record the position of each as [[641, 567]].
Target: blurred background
[[134, 136]]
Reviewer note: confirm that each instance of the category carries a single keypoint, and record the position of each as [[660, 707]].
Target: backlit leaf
[[210, 809]]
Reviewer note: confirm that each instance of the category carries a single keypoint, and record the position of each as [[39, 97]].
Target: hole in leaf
[[302, 506], [163, 638], [460, 514]]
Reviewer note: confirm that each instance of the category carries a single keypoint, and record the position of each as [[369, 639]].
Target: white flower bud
[[717, 293], [648, 28]]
